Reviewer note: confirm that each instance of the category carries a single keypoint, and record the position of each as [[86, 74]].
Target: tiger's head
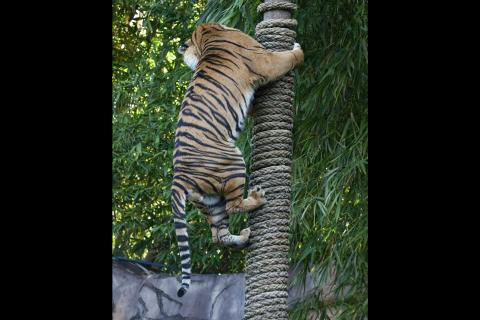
[[193, 48], [190, 54]]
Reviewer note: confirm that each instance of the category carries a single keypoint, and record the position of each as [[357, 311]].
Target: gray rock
[[141, 294]]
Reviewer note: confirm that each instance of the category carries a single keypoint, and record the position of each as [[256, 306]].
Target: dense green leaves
[[329, 226], [149, 81]]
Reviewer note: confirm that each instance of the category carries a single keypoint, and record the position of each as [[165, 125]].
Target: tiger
[[208, 169]]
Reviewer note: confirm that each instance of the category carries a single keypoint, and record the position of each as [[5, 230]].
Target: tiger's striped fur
[[209, 170]]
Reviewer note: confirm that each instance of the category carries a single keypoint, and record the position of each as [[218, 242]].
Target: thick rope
[[267, 256]]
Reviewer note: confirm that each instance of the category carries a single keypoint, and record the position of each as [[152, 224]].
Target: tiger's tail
[[179, 217]]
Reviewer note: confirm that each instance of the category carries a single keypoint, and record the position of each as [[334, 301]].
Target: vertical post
[[267, 256]]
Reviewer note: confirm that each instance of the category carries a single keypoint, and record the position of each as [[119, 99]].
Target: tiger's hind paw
[[244, 238], [258, 194], [245, 233]]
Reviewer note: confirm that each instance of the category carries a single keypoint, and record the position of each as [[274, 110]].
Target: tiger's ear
[[203, 33]]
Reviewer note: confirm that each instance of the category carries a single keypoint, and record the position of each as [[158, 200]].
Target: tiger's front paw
[[258, 195]]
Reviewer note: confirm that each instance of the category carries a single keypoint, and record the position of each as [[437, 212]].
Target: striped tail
[[179, 217]]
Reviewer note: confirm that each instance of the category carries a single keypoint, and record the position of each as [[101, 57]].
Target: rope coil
[[276, 5]]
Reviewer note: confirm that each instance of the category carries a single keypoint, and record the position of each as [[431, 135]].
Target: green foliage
[[240, 14], [329, 225], [149, 81]]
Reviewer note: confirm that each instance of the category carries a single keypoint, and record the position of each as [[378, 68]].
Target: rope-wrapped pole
[[267, 256]]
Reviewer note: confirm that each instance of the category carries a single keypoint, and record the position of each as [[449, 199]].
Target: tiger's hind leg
[[225, 237], [213, 207], [221, 234], [228, 239], [219, 223], [234, 197]]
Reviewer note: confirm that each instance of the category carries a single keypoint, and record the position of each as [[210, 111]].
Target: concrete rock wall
[[139, 294]]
